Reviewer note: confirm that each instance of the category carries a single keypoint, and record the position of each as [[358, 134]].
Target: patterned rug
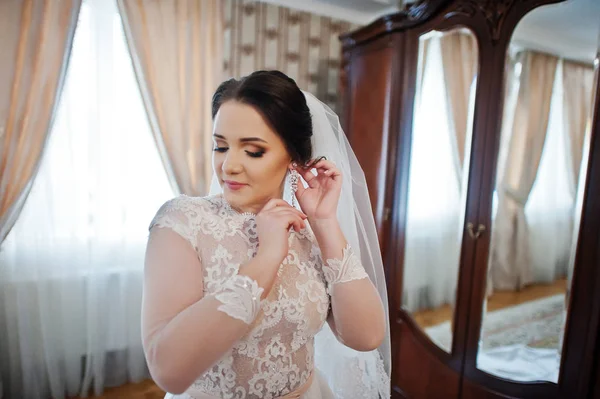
[[535, 324]]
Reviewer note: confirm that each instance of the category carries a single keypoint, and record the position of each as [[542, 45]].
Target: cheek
[[266, 172], [217, 163]]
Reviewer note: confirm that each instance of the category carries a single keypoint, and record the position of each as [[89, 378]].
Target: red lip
[[233, 185]]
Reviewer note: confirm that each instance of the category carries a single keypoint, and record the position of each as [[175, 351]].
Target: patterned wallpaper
[[304, 46]]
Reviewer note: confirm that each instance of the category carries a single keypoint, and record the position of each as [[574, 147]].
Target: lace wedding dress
[[275, 359]]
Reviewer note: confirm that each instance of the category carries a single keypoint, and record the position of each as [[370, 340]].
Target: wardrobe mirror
[[551, 65], [441, 137]]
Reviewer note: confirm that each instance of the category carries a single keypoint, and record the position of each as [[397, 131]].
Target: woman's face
[[249, 152]]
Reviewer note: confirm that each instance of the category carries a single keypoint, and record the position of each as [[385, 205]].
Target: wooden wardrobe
[[379, 81]]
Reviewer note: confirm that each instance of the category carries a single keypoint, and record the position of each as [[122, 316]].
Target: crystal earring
[[293, 178]]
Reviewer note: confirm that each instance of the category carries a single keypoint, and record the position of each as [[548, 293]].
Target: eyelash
[[257, 154]]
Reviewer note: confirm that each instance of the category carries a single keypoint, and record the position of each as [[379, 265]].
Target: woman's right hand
[[273, 224]]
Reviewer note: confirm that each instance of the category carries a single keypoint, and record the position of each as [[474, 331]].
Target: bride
[[272, 286]]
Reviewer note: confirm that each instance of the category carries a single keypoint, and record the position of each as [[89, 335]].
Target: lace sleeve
[[174, 216], [240, 298], [343, 270]]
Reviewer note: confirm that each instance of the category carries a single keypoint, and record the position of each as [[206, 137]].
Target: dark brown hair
[[280, 101]]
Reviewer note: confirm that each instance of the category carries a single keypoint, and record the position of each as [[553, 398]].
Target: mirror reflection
[[441, 137], [541, 167]]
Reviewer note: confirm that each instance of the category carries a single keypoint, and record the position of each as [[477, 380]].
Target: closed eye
[[252, 154], [256, 154]]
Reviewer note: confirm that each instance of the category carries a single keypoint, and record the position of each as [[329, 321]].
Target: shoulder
[[183, 214], [185, 209]]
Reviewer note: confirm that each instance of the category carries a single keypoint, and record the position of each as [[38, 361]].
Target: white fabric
[[435, 198], [578, 86], [551, 212], [177, 53], [240, 298], [520, 363], [510, 260], [550, 208], [349, 373], [275, 356], [343, 270], [318, 390], [460, 63], [71, 268]]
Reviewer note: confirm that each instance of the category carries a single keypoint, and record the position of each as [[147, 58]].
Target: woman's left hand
[[320, 199]]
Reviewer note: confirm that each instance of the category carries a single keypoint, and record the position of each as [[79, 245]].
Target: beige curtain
[[35, 44], [176, 47], [459, 58], [510, 267], [511, 87], [577, 101], [579, 83]]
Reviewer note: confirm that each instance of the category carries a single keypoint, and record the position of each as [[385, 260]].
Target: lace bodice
[[275, 357]]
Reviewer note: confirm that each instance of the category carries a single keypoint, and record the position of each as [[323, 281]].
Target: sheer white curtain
[[71, 268], [434, 199], [549, 210]]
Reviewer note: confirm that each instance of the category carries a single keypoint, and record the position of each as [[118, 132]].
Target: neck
[[252, 209]]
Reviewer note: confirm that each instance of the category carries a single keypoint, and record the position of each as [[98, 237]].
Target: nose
[[231, 164]]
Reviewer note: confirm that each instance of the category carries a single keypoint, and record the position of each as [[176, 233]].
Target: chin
[[234, 197]]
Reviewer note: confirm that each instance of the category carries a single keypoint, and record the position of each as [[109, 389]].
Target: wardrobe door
[[530, 308], [596, 382], [435, 253], [367, 81], [428, 88]]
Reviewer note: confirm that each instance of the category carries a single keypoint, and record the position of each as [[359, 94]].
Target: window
[[101, 178]]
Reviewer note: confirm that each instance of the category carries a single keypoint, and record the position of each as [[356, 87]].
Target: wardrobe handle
[[475, 234], [386, 214]]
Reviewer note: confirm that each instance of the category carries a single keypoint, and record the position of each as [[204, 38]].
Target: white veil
[[349, 373]]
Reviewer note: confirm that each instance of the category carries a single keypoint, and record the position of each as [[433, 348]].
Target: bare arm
[[184, 332], [358, 317]]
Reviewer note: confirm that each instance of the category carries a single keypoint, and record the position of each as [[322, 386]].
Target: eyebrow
[[243, 139]]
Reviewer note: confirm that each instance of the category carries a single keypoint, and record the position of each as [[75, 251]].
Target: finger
[[326, 166], [298, 224], [273, 203], [325, 163], [280, 210], [333, 172], [308, 176], [329, 169], [292, 221], [312, 162]]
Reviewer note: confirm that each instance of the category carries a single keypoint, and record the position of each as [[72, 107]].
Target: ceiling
[[357, 11], [570, 29]]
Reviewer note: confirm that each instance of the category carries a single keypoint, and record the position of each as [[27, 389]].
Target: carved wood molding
[[412, 15], [494, 12]]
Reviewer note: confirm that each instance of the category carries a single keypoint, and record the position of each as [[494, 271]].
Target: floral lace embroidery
[[173, 215], [343, 270], [221, 379], [276, 355], [240, 298]]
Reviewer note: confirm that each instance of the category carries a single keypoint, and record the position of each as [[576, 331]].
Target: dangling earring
[[293, 178]]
